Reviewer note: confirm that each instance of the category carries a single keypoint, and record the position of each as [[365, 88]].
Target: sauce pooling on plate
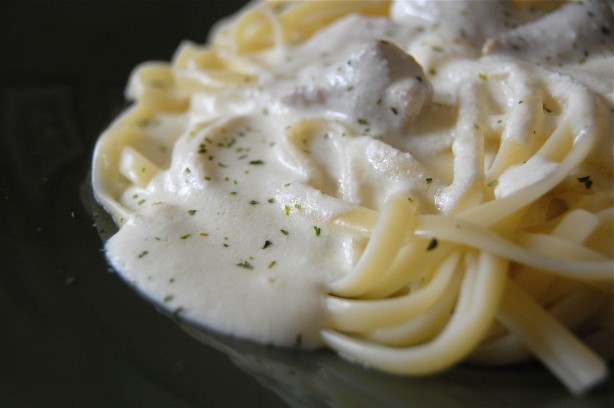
[[350, 174]]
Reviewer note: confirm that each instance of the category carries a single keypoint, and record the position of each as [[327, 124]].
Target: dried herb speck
[[432, 245], [586, 180], [245, 265]]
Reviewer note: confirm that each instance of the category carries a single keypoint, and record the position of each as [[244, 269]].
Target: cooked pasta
[[412, 184]]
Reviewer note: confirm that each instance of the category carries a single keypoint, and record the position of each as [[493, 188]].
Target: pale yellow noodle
[[570, 360], [476, 308]]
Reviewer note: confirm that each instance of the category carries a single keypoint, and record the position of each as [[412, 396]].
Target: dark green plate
[[72, 334]]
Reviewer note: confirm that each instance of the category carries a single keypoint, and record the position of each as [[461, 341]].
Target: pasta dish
[[411, 183]]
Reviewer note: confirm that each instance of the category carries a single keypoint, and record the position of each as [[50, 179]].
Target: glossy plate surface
[[74, 334]]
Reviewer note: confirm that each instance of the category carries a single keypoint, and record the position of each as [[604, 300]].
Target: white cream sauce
[[236, 233]]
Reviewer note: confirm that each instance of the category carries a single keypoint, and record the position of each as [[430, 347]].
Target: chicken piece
[[380, 89], [569, 35]]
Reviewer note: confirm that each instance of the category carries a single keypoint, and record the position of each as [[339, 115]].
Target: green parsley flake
[[428, 180], [363, 122], [285, 232], [142, 254], [287, 209], [191, 212], [432, 245], [256, 162], [253, 202], [186, 236], [267, 244], [317, 230], [586, 180], [245, 265]]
